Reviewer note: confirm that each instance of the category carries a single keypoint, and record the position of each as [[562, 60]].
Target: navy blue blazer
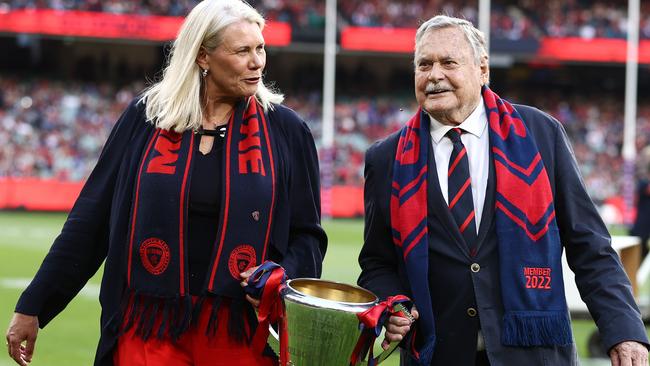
[[464, 299], [97, 226]]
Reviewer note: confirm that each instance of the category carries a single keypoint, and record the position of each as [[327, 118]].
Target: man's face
[[447, 79]]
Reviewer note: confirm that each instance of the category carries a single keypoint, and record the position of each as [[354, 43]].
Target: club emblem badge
[[154, 254], [241, 259]]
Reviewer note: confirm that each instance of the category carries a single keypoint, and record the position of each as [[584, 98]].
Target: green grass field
[[72, 337]]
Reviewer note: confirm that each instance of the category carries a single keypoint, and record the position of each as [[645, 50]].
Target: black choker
[[220, 131]]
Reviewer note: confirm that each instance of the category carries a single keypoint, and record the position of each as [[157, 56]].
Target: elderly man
[[468, 209]]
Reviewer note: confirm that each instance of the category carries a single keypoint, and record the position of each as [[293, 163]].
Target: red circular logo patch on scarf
[[154, 254], [241, 259]]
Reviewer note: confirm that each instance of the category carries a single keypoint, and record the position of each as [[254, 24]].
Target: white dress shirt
[[475, 137]]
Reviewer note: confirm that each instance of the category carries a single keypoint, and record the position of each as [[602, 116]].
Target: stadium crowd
[[510, 19], [53, 129]]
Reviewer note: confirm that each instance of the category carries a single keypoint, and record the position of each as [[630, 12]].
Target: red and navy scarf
[[527, 234], [157, 245]]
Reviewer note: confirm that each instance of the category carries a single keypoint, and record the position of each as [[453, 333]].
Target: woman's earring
[[204, 73]]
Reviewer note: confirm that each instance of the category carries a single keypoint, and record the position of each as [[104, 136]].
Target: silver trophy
[[322, 323]]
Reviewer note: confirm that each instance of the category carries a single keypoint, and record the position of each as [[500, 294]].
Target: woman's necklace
[[220, 131], [220, 128]]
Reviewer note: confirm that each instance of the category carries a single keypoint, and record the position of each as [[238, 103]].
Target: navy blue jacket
[[455, 288], [97, 226]]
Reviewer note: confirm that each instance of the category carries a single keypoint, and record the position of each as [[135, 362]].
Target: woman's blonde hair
[[175, 101]]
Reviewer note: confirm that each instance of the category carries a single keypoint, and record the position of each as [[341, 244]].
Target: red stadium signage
[[402, 40], [113, 26], [598, 50], [378, 39], [53, 195], [38, 194]]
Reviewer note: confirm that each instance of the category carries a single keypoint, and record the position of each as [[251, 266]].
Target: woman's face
[[236, 65]]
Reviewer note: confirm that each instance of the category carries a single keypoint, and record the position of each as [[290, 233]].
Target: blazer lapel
[[437, 206]]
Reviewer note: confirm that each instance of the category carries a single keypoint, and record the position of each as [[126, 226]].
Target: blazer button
[[471, 312], [475, 267]]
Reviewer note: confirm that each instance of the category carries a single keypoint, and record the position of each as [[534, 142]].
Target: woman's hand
[[23, 328], [245, 275], [397, 327]]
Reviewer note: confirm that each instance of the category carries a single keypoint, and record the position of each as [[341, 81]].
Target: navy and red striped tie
[[459, 188]]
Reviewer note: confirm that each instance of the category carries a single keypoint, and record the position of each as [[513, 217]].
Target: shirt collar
[[474, 124]]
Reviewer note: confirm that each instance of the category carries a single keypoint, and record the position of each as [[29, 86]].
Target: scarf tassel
[[166, 319], [251, 315], [148, 319], [213, 320], [236, 320], [155, 315], [183, 314], [526, 329], [128, 308], [171, 317], [196, 310], [238, 309]]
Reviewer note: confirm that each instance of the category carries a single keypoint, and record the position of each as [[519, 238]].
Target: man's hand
[[244, 282], [23, 328], [629, 353], [397, 327]]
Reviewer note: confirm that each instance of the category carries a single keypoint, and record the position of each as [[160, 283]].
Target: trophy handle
[[384, 355], [274, 340], [393, 345]]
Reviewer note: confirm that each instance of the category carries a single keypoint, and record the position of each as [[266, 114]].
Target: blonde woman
[[205, 176]]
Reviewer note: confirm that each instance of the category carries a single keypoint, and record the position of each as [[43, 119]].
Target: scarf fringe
[[171, 317], [151, 315], [536, 329], [252, 323], [196, 310], [213, 321], [183, 316], [164, 324], [236, 320], [147, 319], [129, 302]]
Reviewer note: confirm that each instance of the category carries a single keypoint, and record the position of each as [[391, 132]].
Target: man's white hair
[[474, 36]]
